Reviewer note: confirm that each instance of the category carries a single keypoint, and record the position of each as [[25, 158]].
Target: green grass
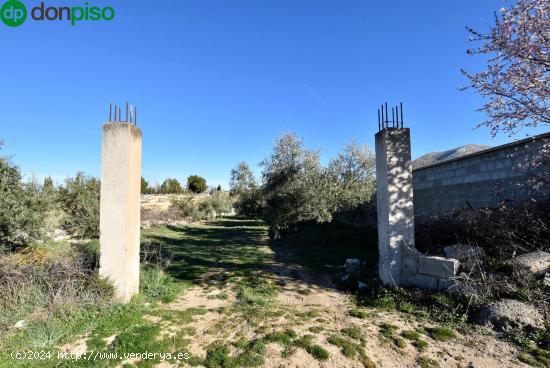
[[284, 338], [355, 333], [349, 348], [424, 362], [441, 333], [177, 257], [289, 341], [315, 329], [389, 332], [359, 313], [416, 338], [306, 343]]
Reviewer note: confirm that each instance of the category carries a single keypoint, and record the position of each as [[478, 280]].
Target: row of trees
[[296, 188], [195, 184], [29, 210]]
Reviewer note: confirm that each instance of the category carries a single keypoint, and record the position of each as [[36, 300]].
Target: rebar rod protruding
[[401, 105], [387, 120], [397, 115]]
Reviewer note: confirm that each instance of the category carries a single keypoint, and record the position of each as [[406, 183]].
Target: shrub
[[502, 232], [220, 202], [80, 201], [202, 208], [23, 207], [171, 186], [196, 184], [61, 277], [156, 284], [187, 208]]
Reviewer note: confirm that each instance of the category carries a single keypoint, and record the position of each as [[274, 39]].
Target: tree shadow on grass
[[234, 246], [228, 245]]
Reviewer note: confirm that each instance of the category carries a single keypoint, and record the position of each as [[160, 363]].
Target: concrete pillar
[[120, 208], [394, 196]]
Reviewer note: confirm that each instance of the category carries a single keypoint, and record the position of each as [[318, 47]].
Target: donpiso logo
[[13, 13]]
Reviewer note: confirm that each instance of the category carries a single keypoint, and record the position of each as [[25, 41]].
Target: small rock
[[361, 285], [463, 252], [508, 313], [537, 262], [19, 324]]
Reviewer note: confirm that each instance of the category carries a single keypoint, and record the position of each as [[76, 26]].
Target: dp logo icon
[[13, 13]]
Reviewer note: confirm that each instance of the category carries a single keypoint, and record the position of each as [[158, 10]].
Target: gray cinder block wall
[[479, 179], [400, 264], [120, 208]]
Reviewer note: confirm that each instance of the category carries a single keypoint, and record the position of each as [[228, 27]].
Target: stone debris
[[508, 313], [537, 262]]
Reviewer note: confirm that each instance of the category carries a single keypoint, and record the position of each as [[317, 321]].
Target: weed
[[219, 296], [348, 347], [441, 333], [318, 352], [415, 337], [530, 360], [219, 357], [306, 343], [316, 329], [424, 362], [367, 361], [283, 338], [359, 313], [156, 284], [354, 332], [389, 331]]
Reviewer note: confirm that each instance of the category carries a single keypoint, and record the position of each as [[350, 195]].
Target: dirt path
[[290, 298]]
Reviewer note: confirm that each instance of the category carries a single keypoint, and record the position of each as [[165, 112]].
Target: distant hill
[[435, 157]]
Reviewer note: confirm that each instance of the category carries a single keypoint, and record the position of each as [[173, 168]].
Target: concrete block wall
[[483, 178]]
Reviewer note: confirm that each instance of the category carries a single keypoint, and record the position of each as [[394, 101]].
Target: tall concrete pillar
[[394, 196], [120, 208]]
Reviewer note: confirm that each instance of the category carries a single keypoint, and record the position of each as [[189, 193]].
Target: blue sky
[[216, 81]]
